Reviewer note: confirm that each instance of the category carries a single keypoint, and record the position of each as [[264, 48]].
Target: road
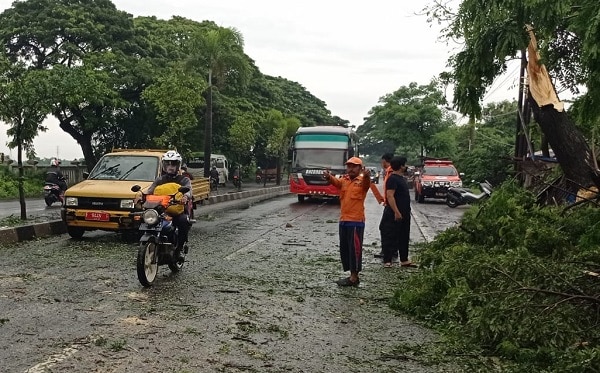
[[257, 295]]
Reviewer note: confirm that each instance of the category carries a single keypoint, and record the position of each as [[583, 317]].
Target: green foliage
[[9, 184], [512, 280], [410, 118]]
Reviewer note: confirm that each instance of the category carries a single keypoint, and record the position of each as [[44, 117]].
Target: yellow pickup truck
[[104, 200]]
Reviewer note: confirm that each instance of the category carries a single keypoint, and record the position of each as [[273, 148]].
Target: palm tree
[[220, 53]]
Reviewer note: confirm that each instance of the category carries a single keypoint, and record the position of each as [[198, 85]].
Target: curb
[[54, 227]]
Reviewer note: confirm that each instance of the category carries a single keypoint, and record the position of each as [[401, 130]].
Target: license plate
[[97, 216]]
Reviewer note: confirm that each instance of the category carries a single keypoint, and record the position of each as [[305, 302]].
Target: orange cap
[[354, 160]]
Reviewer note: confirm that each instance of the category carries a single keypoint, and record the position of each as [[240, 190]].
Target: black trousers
[[181, 222], [351, 241], [394, 237]]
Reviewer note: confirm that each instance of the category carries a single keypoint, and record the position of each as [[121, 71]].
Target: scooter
[[53, 193], [158, 242], [460, 196]]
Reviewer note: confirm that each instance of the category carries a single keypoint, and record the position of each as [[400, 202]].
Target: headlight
[[427, 183], [150, 217], [71, 201], [127, 204], [456, 184]]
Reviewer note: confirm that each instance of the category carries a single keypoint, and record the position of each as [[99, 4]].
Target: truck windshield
[[440, 171], [319, 158], [125, 167]]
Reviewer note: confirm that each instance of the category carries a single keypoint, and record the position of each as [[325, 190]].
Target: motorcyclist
[[184, 172], [54, 176], [167, 184], [214, 174]]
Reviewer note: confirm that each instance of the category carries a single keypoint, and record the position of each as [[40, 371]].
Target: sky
[[348, 54]]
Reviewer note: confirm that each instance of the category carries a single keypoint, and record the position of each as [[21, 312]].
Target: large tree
[[220, 53], [24, 104], [493, 33], [88, 36], [409, 118]]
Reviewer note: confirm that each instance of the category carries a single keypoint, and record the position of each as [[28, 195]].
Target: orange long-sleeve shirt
[[352, 196]]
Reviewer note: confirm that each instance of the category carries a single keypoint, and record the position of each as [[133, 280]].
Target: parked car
[[434, 179]]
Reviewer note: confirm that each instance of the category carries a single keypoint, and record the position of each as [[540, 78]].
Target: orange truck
[[434, 178]]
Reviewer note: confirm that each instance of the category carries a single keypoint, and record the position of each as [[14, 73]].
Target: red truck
[[434, 178]]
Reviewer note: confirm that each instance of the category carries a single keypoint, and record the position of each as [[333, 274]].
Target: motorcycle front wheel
[[147, 265]]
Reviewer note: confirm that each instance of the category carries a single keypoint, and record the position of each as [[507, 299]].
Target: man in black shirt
[[395, 222]]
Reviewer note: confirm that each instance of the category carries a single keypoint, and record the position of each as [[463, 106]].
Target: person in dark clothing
[[54, 176], [395, 222], [214, 174], [386, 171], [185, 172], [168, 184]]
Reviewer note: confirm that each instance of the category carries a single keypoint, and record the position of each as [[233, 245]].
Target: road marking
[[53, 360], [244, 249], [427, 232]]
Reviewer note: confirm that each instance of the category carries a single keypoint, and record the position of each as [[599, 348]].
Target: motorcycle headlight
[[150, 217], [71, 201], [127, 204], [456, 184]]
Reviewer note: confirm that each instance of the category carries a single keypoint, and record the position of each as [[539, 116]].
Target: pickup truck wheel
[[75, 232], [300, 198]]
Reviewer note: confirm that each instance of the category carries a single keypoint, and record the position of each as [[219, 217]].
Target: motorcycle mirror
[[136, 188], [183, 189]]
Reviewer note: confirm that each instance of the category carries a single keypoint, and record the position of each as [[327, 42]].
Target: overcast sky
[[347, 54]]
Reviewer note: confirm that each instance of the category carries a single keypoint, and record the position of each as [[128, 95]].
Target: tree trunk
[[20, 183], [278, 170], [208, 132], [569, 146], [83, 139]]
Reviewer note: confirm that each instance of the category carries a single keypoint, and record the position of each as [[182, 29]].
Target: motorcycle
[[460, 196], [158, 242], [53, 193], [237, 182], [214, 183]]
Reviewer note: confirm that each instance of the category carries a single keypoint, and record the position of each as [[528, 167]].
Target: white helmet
[[171, 157]]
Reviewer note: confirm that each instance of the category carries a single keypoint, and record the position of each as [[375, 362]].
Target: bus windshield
[[318, 158]]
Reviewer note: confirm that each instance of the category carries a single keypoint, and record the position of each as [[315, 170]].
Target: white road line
[[244, 249], [427, 232]]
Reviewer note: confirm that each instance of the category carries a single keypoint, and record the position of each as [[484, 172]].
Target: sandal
[[347, 282], [409, 265], [387, 265]]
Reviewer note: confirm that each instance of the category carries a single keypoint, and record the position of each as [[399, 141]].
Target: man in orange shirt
[[353, 187]]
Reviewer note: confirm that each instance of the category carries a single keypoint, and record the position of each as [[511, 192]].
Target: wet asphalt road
[[256, 295]]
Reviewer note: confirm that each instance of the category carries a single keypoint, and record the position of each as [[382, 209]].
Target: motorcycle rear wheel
[[147, 265]]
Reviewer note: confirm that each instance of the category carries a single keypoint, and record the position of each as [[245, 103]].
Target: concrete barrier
[[38, 230]]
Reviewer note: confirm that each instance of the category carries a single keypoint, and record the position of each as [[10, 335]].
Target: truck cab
[[104, 200], [434, 178]]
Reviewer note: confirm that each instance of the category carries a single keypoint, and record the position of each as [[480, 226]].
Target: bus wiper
[[104, 171], [130, 171]]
